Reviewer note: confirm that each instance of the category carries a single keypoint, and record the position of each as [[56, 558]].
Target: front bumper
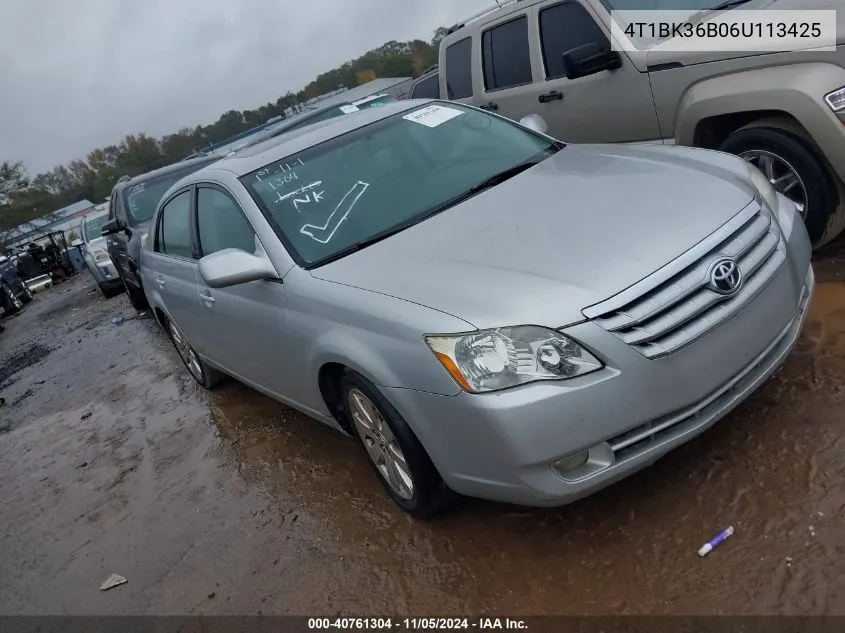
[[502, 445]]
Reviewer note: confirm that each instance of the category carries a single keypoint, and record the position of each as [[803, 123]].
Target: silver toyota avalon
[[487, 310]]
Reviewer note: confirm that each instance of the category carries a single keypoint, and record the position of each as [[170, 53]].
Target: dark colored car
[[13, 291], [132, 203]]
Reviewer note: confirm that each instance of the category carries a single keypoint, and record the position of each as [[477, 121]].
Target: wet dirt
[[230, 503]]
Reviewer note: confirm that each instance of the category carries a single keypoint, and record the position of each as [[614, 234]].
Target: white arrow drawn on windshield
[[337, 217]]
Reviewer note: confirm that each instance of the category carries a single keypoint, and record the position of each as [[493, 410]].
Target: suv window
[[222, 223], [459, 69], [506, 60], [426, 88], [175, 231], [142, 197], [562, 28]]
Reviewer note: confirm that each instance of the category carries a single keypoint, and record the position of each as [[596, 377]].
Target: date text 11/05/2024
[[416, 624]]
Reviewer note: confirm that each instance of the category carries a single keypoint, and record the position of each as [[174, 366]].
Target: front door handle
[[207, 298], [554, 95], [161, 283], [490, 106]]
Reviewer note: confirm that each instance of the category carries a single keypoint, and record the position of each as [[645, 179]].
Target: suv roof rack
[[481, 14]]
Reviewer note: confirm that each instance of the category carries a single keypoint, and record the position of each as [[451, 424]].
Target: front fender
[[378, 336], [796, 89]]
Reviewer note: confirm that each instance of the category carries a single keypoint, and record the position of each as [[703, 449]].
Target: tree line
[[23, 199]]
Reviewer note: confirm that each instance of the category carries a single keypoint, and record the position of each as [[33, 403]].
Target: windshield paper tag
[[348, 109], [433, 115]]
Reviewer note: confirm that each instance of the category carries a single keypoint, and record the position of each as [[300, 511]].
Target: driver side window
[[564, 27]]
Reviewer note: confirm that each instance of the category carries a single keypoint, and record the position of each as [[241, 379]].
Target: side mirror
[[111, 227], [590, 59], [535, 122], [232, 267]]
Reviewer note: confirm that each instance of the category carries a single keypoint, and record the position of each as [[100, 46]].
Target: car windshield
[[334, 197], [92, 228], [142, 197]]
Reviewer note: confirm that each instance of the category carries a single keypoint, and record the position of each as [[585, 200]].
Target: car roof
[[163, 171], [380, 95], [259, 155], [430, 72]]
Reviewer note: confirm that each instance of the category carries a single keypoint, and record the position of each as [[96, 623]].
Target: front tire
[[393, 451], [795, 168], [205, 375]]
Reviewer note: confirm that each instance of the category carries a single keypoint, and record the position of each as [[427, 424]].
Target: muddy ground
[[112, 460]]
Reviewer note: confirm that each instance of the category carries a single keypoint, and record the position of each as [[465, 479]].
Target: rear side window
[[562, 28], [222, 223], [428, 88], [506, 59], [459, 69], [175, 235]]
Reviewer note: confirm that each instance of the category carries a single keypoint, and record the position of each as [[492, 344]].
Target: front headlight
[[836, 99], [504, 357], [100, 256], [764, 187]]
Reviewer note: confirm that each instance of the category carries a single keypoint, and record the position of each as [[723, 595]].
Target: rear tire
[[27, 296], [819, 187], [420, 491], [205, 375]]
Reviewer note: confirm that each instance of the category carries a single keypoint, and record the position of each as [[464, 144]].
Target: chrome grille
[[674, 306]]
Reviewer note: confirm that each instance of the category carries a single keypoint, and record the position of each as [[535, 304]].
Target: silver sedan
[[487, 310]]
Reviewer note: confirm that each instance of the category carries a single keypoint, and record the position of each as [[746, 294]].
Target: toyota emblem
[[725, 276]]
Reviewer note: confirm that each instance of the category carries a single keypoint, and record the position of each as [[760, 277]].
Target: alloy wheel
[[380, 443], [186, 352], [783, 176]]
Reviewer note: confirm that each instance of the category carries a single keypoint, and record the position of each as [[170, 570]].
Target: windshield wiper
[[696, 17], [357, 246], [488, 183], [502, 176], [729, 4]]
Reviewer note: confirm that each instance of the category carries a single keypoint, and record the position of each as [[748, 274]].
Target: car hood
[[572, 231]]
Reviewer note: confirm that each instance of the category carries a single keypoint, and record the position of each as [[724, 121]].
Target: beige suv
[[780, 111]]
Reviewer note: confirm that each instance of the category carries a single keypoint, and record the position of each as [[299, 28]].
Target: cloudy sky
[[81, 74]]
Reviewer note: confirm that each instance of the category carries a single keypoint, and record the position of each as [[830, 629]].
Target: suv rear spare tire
[[795, 168]]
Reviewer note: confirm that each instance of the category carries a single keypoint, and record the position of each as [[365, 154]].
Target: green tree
[[439, 33], [12, 179], [93, 178]]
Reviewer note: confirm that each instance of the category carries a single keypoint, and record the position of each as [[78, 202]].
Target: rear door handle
[[161, 283], [554, 95], [207, 298], [490, 106]]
